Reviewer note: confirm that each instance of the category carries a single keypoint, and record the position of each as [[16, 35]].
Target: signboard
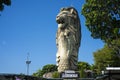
[[69, 74]]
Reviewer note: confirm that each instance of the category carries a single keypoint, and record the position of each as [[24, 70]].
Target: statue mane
[[68, 39]]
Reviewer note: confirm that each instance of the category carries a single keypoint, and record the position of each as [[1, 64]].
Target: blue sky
[[29, 26]]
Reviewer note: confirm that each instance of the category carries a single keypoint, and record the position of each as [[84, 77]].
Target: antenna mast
[[28, 62]]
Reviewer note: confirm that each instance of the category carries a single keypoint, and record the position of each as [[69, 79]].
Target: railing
[[26, 77], [72, 79]]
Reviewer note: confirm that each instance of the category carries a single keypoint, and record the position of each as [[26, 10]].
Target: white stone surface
[[68, 39]]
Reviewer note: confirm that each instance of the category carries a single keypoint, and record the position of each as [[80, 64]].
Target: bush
[[56, 74]]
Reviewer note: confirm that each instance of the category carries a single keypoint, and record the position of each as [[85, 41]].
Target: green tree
[[82, 66], [3, 3], [39, 73], [105, 57], [47, 68], [56, 74], [115, 45], [103, 19]]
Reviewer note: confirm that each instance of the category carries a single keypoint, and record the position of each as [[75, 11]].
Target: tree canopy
[[3, 3], [47, 68], [38, 73], [115, 45], [103, 18], [105, 57], [83, 65]]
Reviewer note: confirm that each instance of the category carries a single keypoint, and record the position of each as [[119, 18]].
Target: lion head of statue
[[68, 21], [67, 16]]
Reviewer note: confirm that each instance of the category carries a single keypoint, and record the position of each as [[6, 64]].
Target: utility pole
[[28, 62]]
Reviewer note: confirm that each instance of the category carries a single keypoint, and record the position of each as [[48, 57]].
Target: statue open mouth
[[60, 20]]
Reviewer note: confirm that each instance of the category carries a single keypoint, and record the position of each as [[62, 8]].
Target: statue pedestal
[[69, 75]]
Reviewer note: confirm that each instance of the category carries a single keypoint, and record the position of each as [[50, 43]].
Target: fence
[[72, 79]]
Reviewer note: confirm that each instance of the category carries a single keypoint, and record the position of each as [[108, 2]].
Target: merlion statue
[[68, 39]]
